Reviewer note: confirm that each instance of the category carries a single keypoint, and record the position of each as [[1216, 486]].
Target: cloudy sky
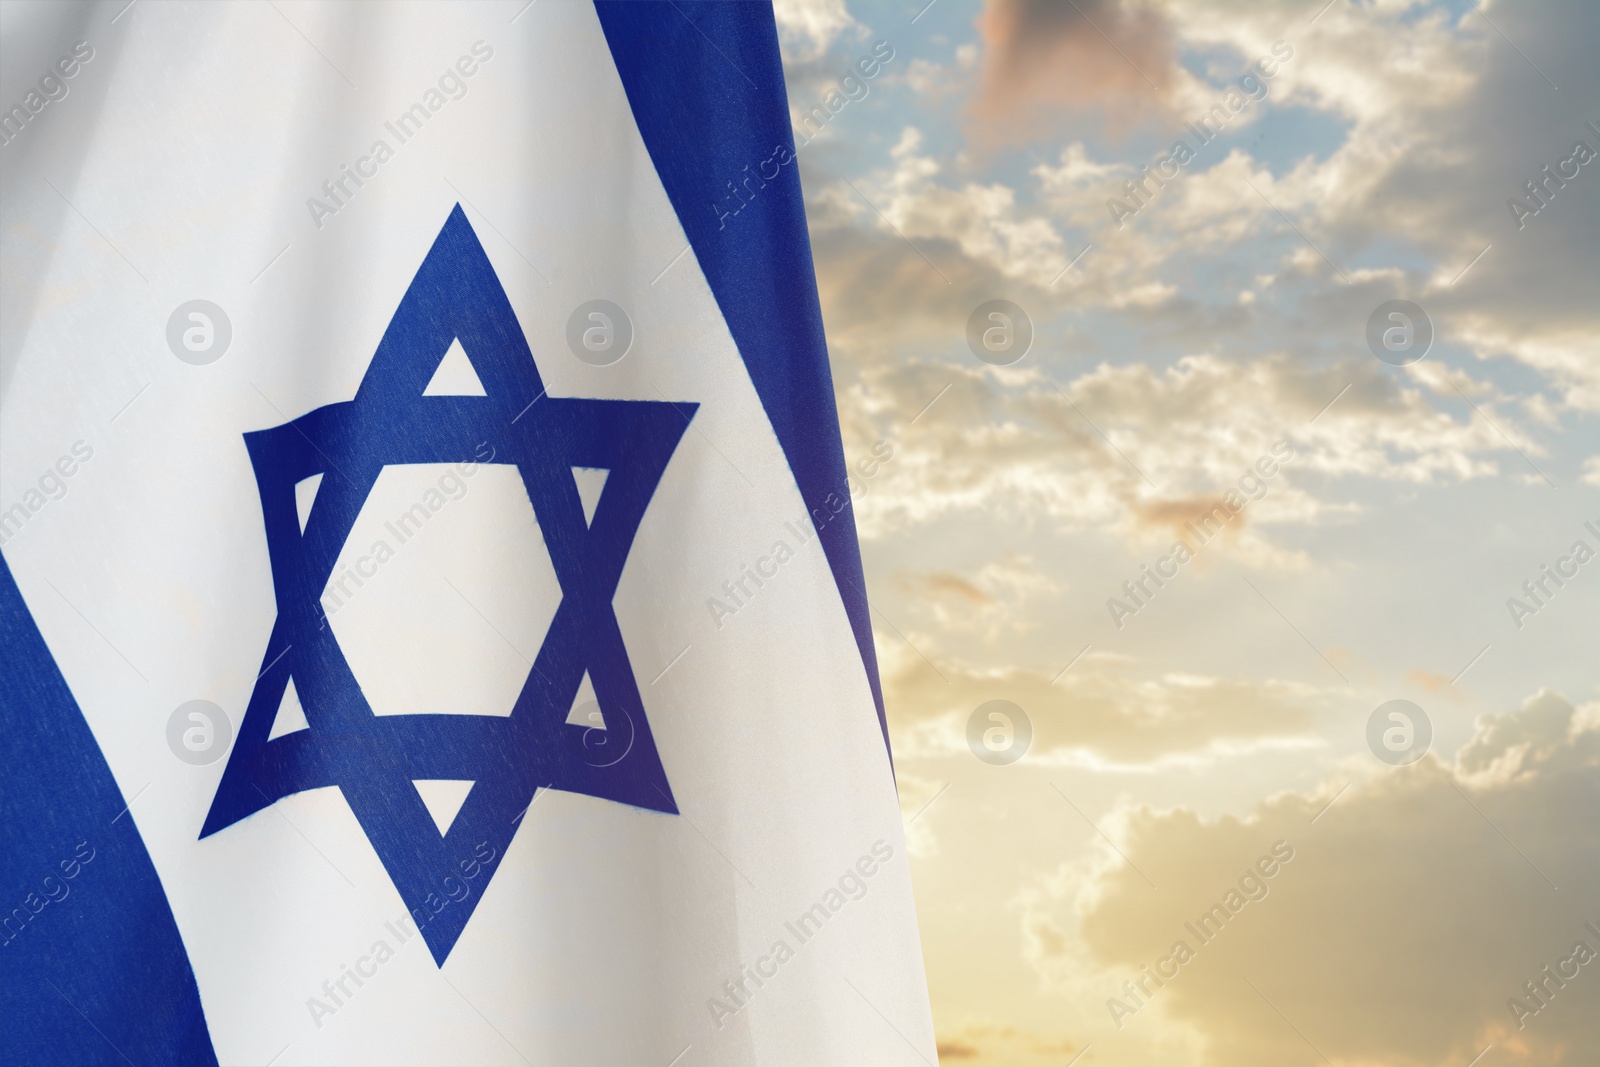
[[1201, 341]]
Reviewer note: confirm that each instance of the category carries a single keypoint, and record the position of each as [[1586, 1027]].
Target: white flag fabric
[[433, 626]]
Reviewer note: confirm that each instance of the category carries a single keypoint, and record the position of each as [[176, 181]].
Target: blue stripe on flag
[[92, 969], [705, 82]]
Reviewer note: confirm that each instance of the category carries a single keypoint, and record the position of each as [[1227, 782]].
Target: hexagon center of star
[[444, 590], [444, 564]]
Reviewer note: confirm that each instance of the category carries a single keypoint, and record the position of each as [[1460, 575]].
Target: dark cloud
[[1043, 55]]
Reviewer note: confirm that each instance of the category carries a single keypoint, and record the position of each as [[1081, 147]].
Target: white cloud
[[1028, 446], [808, 28], [1414, 908], [982, 220]]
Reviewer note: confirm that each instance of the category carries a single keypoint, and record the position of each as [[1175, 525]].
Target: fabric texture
[[757, 261], [92, 970]]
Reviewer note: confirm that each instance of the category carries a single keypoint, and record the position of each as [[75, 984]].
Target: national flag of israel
[[431, 624]]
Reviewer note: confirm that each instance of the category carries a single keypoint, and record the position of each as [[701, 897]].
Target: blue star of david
[[374, 759]]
